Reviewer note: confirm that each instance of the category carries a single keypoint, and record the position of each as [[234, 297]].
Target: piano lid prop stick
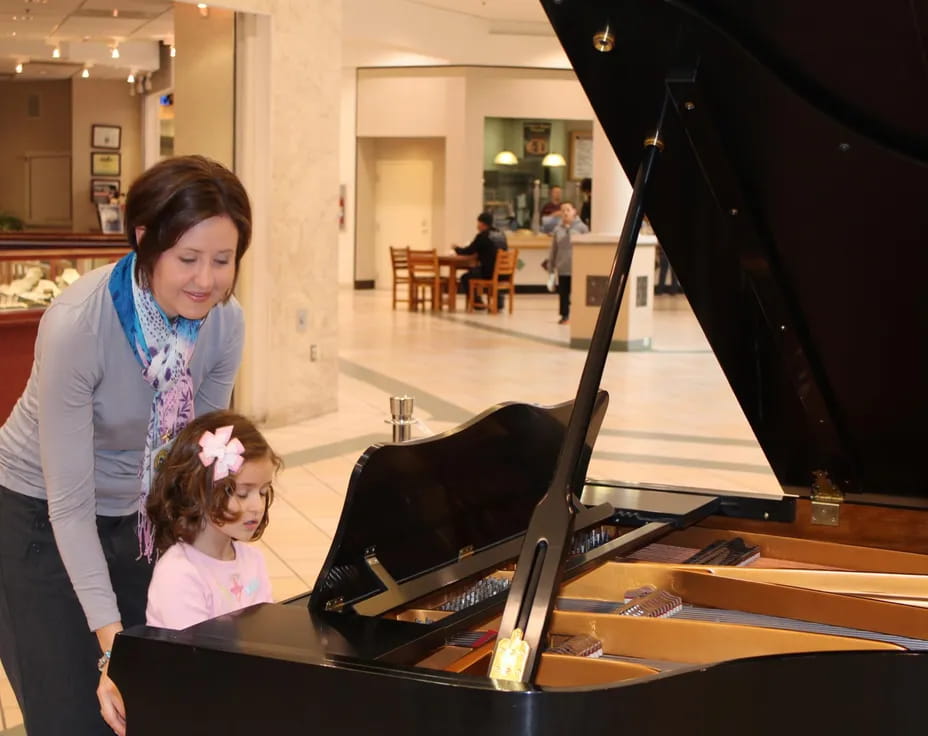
[[531, 596]]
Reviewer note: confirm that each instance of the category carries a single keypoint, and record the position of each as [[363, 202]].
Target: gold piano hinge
[[510, 658], [826, 500], [334, 604], [465, 552]]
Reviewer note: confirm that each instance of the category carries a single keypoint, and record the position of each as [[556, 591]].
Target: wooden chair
[[504, 279], [423, 276], [400, 273]]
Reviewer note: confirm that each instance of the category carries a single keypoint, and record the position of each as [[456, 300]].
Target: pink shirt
[[188, 587]]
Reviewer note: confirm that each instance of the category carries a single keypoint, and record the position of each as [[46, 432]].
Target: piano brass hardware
[[689, 105], [826, 500], [604, 41], [335, 604], [654, 140], [380, 571], [510, 658], [465, 551]]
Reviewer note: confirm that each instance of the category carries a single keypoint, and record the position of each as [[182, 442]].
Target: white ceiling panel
[[522, 10], [52, 7], [36, 29], [77, 27], [42, 70], [149, 7], [160, 27]]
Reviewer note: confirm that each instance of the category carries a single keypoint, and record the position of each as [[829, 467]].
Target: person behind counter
[[561, 254], [484, 247], [124, 359]]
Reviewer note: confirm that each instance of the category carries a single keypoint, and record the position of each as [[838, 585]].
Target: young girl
[[211, 495]]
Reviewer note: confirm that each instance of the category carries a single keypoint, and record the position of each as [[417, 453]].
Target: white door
[[402, 212]]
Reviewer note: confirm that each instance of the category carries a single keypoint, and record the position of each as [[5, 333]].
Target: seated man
[[485, 249]]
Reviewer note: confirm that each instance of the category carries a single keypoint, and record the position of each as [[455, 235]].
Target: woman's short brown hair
[[184, 496], [174, 195]]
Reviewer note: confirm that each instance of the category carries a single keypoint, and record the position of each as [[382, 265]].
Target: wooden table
[[455, 262]]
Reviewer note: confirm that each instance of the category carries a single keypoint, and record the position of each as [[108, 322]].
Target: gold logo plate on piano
[[510, 658]]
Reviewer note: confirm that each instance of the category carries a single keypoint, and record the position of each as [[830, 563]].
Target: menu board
[[581, 155]]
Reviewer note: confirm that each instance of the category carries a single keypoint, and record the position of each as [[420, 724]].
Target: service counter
[[34, 268], [593, 256]]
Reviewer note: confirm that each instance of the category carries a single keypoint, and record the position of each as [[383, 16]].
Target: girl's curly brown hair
[[184, 497]]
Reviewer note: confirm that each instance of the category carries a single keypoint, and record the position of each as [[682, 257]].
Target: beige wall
[[108, 102], [451, 103], [51, 131], [204, 83], [365, 267], [369, 152]]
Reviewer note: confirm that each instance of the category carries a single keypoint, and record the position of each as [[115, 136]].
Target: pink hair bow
[[222, 449]]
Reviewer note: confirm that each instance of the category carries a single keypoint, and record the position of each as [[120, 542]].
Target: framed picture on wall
[[110, 218], [104, 191], [105, 164], [580, 157], [105, 136]]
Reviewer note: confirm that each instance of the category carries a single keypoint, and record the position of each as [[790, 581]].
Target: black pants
[[471, 273], [48, 650], [563, 292]]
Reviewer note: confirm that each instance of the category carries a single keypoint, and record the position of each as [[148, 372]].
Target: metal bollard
[[401, 417]]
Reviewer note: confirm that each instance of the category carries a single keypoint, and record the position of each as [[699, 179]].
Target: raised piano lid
[[791, 201], [420, 506]]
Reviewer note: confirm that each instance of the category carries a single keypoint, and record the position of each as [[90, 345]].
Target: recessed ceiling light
[[19, 68], [56, 53], [85, 74]]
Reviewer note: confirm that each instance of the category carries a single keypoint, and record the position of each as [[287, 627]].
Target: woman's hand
[[112, 708]]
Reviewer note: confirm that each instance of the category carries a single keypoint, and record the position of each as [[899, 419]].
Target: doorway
[[402, 212], [400, 194]]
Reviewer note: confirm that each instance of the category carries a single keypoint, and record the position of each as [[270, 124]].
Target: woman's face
[[197, 273]]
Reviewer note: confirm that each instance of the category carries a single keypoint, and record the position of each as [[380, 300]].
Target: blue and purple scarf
[[163, 348]]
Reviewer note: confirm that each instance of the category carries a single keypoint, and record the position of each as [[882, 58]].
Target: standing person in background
[[484, 248], [124, 359], [561, 254], [586, 208]]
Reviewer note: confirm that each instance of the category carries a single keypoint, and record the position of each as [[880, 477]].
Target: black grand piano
[[780, 150]]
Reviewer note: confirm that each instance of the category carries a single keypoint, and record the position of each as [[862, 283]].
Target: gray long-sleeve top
[[77, 434], [561, 254]]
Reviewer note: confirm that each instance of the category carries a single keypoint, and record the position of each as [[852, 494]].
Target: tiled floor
[[672, 417]]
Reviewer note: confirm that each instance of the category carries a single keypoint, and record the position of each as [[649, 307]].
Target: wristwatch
[[101, 663]]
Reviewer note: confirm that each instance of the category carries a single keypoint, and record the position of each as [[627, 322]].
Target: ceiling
[[85, 32], [493, 10]]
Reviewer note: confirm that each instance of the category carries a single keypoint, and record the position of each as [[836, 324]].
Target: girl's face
[[249, 501], [197, 273]]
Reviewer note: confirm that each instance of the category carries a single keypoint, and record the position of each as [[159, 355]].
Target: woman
[[124, 359]]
